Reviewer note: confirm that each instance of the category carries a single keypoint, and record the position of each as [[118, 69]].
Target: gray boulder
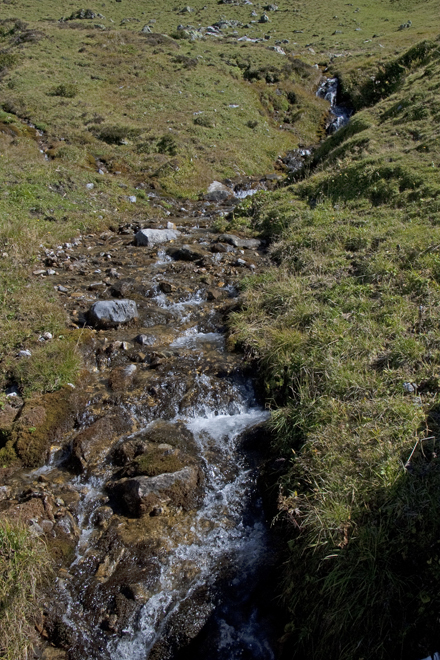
[[142, 495], [155, 236], [111, 313], [247, 243]]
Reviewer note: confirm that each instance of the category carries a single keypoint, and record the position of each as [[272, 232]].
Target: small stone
[[214, 294], [47, 526], [39, 272], [62, 289], [165, 287], [146, 29], [137, 591], [24, 353], [264, 19], [96, 286], [240, 262], [171, 225], [409, 388], [132, 199], [46, 336], [90, 186], [50, 271], [144, 340]]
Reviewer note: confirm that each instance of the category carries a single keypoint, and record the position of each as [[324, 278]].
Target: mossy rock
[[158, 461], [43, 421]]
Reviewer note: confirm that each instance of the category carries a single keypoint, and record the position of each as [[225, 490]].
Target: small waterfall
[[339, 114]]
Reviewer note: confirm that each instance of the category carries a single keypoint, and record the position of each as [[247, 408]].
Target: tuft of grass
[[24, 564]]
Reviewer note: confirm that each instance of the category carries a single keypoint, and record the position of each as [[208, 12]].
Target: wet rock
[[121, 377], [166, 287], [137, 592], [102, 515], [141, 495], [92, 444], [111, 313], [109, 565], [144, 340], [155, 316], [246, 243], [155, 236], [186, 253], [128, 450], [122, 288], [221, 248], [7, 417], [214, 294], [185, 625]]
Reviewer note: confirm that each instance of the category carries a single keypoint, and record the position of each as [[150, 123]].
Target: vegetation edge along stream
[[342, 325]]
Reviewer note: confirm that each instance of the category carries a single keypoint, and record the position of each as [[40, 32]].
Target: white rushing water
[[218, 529]]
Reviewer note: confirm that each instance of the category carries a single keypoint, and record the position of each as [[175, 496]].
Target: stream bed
[[150, 497]]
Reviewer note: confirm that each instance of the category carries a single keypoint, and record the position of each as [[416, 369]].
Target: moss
[[41, 422], [8, 455], [158, 461]]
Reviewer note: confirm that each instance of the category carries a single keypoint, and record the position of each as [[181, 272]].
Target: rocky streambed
[[148, 493]]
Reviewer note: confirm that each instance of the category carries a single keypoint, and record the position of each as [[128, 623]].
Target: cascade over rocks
[[146, 499], [144, 495]]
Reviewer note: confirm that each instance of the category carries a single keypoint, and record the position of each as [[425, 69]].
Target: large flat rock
[[111, 313], [155, 236], [142, 495]]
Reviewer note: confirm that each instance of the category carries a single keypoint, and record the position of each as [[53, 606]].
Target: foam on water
[[191, 338], [220, 532]]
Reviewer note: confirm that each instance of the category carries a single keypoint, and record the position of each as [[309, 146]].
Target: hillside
[[117, 114]]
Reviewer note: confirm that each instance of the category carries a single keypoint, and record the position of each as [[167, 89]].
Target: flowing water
[[186, 570], [339, 114]]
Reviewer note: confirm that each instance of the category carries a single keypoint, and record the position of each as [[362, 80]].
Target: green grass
[[342, 327], [350, 310], [24, 565]]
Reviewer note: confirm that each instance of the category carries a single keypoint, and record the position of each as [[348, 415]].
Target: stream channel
[[150, 494], [153, 490]]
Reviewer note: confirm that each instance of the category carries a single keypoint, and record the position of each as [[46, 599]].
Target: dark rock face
[[110, 313], [94, 442], [186, 253], [143, 495]]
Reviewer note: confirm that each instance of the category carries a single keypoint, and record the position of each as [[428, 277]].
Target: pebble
[[50, 271], [62, 289], [90, 186], [24, 353]]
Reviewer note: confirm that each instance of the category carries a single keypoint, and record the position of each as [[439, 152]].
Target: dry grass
[[24, 564]]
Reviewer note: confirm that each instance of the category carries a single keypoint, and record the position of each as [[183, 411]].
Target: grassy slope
[[339, 332], [346, 332]]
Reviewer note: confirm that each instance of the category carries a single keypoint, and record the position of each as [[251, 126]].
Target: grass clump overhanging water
[[345, 330], [24, 565]]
